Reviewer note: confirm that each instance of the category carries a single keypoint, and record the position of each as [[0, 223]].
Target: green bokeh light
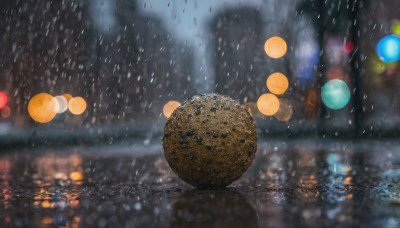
[[396, 28], [335, 94]]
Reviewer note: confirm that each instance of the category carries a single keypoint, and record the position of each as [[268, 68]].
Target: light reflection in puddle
[[286, 185]]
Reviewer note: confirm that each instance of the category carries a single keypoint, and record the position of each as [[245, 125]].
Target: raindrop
[[138, 206]]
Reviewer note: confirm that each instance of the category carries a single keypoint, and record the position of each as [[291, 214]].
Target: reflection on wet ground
[[288, 185]]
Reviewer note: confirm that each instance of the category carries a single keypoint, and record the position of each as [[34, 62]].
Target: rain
[[89, 88]]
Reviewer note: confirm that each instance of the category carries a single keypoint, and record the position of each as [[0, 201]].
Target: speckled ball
[[210, 141]]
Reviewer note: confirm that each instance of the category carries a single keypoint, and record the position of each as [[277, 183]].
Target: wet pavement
[[290, 184]]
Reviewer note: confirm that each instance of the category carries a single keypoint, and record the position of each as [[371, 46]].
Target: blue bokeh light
[[306, 58], [388, 48], [335, 94]]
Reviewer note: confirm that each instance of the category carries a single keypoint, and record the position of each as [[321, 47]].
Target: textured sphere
[[210, 141]]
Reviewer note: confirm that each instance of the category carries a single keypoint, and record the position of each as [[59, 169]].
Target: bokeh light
[[277, 83], [275, 47], [77, 105], [311, 102], [334, 49], [5, 112], [76, 176], [388, 48], [285, 110], [335, 73], [46, 204], [306, 58], [47, 220], [348, 47], [391, 68], [335, 94], [3, 99], [62, 104], [251, 107], [170, 107], [376, 64], [67, 96], [42, 108], [268, 104], [395, 27]]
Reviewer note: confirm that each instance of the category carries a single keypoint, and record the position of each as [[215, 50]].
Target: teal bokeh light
[[388, 48], [335, 94]]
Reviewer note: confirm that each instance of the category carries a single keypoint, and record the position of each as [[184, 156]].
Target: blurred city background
[[118, 68], [77, 75]]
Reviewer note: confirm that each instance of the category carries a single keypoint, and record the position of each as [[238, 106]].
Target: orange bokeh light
[[47, 220], [75, 176], [170, 107], [275, 47], [285, 110], [77, 105], [67, 96], [46, 204], [42, 108], [268, 104], [277, 83]]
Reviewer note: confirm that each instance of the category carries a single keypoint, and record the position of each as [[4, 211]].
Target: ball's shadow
[[213, 208]]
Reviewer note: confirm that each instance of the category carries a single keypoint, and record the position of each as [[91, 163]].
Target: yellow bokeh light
[[277, 83], [75, 176], [268, 104], [46, 204], [251, 107], [41, 108], [170, 107], [275, 47], [67, 96], [285, 110], [347, 180], [77, 105], [62, 104]]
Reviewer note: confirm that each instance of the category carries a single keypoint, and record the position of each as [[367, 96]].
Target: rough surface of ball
[[210, 141]]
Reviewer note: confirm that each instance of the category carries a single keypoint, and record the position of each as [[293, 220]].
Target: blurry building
[[140, 68], [42, 50], [125, 75], [238, 52]]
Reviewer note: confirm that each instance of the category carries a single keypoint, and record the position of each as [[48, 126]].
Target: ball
[[210, 141]]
